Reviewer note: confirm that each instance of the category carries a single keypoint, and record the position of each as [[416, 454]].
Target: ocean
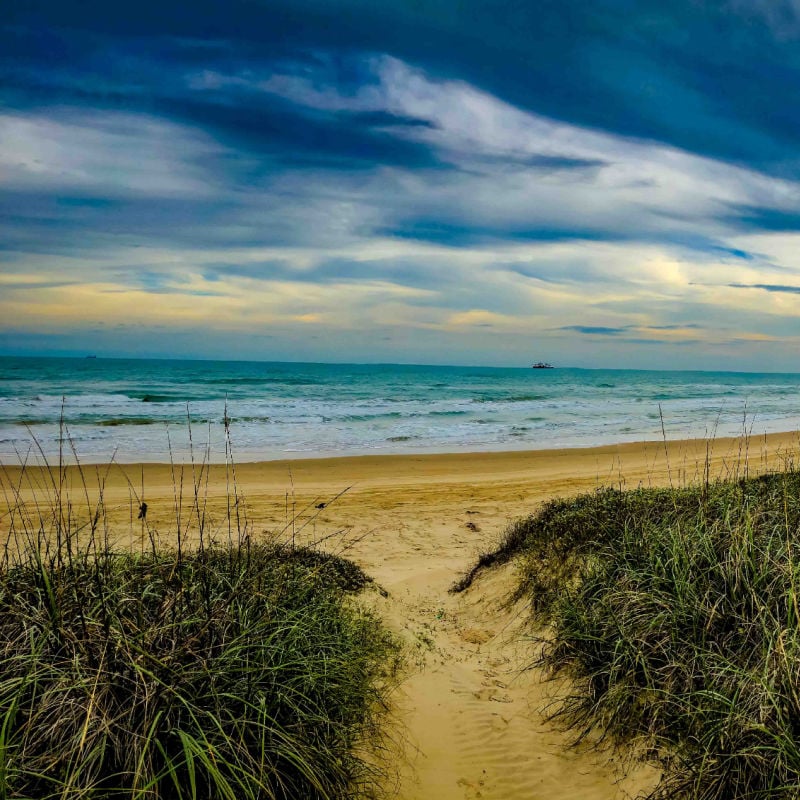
[[146, 410]]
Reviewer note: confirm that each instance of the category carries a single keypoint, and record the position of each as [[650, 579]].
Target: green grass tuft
[[232, 673], [676, 612], [244, 671]]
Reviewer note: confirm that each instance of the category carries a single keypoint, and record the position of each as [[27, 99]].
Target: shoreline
[[208, 453], [380, 465]]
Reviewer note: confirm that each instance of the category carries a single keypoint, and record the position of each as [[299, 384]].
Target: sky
[[593, 184]]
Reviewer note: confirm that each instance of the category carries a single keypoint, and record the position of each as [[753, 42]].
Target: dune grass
[[676, 615], [241, 670]]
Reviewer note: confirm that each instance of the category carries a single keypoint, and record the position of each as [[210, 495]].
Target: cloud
[[305, 140], [109, 154], [439, 180], [681, 75], [23, 285], [595, 330], [754, 218], [677, 327], [782, 16], [767, 287], [286, 154]]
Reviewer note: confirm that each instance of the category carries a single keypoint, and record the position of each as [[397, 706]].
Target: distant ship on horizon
[[542, 365]]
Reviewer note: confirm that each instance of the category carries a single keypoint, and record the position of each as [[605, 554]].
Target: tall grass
[[676, 613], [239, 670]]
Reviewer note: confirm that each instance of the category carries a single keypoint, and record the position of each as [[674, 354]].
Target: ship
[[542, 365]]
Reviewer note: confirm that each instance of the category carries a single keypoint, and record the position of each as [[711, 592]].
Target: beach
[[469, 715], [400, 400]]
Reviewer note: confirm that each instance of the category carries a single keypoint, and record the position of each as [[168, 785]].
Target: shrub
[[236, 672], [676, 613]]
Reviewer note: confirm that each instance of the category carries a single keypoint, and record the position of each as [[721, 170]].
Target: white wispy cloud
[[113, 153], [518, 167]]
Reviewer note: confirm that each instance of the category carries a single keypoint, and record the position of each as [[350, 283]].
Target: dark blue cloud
[[297, 138], [767, 287], [765, 219], [383, 119], [698, 243], [465, 235], [595, 330], [697, 75]]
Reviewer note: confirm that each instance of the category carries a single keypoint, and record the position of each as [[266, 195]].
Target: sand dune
[[470, 710]]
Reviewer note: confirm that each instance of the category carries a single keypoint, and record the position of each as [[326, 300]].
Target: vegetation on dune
[[241, 671], [676, 613]]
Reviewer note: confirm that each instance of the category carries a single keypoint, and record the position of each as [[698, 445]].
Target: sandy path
[[471, 712]]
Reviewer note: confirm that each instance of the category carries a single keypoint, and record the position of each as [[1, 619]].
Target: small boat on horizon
[[542, 365]]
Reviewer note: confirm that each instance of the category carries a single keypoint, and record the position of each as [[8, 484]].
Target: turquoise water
[[135, 410]]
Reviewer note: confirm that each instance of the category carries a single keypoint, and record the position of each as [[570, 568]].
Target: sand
[[470, 712]]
